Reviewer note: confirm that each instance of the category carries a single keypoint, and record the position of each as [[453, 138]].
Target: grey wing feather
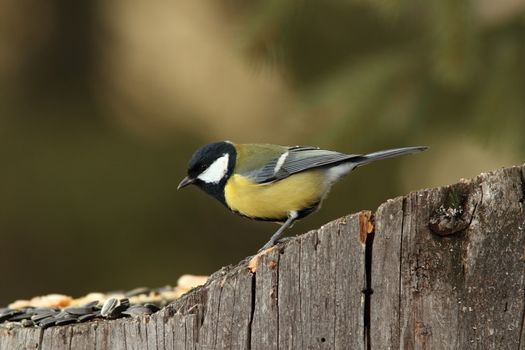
[[297, 160]]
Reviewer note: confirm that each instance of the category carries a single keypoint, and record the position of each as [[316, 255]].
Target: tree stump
[[440, 268]]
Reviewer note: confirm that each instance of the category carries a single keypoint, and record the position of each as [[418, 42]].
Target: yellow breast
[[274, 200]]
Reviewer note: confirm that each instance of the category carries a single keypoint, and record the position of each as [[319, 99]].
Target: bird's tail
[[389, 153]]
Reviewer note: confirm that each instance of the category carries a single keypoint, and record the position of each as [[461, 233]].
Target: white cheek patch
[[216, 171]]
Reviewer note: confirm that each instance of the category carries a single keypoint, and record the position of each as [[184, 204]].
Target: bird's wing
[[253, 157], [294, 160]]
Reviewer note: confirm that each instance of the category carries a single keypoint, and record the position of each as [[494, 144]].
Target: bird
[[275, 183]]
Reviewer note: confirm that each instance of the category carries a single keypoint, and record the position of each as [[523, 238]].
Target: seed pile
[[47, 316], [57, 310]]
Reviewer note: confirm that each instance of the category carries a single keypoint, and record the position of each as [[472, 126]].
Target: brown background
[[102, 103]]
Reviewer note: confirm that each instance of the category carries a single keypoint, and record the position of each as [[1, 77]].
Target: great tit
[[271, 182]]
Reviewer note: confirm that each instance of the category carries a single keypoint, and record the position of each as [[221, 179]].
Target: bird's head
[[210, 167]]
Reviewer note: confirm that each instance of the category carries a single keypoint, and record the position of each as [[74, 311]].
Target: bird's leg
[[279, 232]]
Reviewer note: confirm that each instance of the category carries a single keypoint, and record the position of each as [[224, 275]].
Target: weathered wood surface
[[464, 290], [446, 267]]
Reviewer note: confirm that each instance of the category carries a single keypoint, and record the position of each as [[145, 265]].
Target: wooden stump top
[[440, 268]]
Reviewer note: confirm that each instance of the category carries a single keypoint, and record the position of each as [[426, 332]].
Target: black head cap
[[222, 156]]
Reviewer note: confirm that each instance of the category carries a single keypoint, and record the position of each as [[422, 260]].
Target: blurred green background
[[103, 102]]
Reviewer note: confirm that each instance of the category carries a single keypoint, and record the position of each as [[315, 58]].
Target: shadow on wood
[[440, 268]]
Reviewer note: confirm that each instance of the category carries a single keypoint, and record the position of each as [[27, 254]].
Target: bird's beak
[[185, 182]]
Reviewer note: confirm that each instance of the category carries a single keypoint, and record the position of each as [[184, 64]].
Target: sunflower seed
[[64, 317], [7, 315], [115, 307], [108, 307], [43, 310], [62, 314], [65, 321], [88, 317], [117, 311], [79, 311], [154, 308], [30, 311], [20, 317], [48, 322], [39, 317]]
